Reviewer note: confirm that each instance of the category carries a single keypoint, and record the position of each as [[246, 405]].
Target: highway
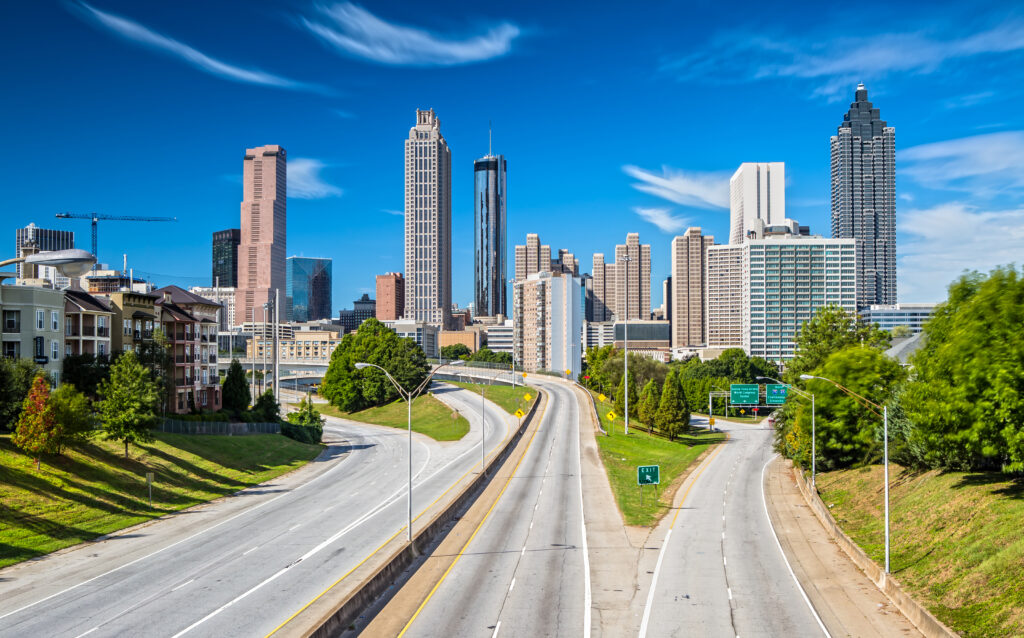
[[525, 572], [243, 565], [719, 568]]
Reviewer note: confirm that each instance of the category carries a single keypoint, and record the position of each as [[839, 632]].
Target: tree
[[489, 356], [130, 400], [73, 414], [830, 330], [266, 408], [305, 424], [673, 415], [85, 372], [641, 368], [37, 431], [901, 332], [236, 389], [455, 351], [350, 389], [594, 368], [620, 396], [849, 432], [650, 397], [155, 355], [16, 378], [965, 397]]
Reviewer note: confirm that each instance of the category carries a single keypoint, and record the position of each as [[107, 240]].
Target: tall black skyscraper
[[41, 239], [225, 257], [864, 197], [489, 236]]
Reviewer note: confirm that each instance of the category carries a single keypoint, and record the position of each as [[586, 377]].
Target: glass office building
[[489, 296], [309, 289]]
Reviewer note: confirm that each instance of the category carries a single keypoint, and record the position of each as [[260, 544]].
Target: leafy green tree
[[455, 351], [235, 390], [901, 332], [73, 413], [487, 355], [16, 378], [305, 424], [266, 409], [620, 396], [650, 397], [830, 330], [85, 372], [155, 355], [350, 389], [37, 431], [673, 415], [594, 366], [967, 394], [130, 400], [641, 368], [849, 432]]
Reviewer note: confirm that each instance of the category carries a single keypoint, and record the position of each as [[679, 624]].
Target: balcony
[[103, 331], [179, 358], [89, 331], [213, 358], [70, 331], [147, 334]]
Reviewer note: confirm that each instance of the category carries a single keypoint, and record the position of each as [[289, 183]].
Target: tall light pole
[[814, 437], [625, 334], [409, 398], [874, 407]]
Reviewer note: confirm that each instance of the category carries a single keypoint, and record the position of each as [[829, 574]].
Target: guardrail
[[219, 428]]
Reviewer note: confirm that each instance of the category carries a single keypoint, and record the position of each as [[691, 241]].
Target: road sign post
[[648, 475], [149, 484]]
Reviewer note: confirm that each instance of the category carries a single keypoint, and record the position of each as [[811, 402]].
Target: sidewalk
[[847, 601]]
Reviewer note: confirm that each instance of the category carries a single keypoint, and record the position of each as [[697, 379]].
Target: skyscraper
[[532, 258], [489, 235], [604, 289], [548, 322], [42, 240], [225, 258], [262, 249], [308, 296], [687, 291], [864, 197], [428, 222], [390, 296], [632, 279], [757, 190]]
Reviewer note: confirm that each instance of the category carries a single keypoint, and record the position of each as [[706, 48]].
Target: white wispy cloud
[[662, 218], [981, 164], [304, 181], [348, 115], [937, 244], [689, 188], [389, 211], [352, 30], [971, 99], [144, 36], [837, 64]]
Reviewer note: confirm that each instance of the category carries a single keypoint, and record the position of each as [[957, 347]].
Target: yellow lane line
[[706, 464]]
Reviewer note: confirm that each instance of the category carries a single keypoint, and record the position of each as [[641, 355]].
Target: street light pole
[[874, 407], [625, 334], [814, 437]]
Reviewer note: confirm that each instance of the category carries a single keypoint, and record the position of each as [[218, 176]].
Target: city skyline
[[339, 117]]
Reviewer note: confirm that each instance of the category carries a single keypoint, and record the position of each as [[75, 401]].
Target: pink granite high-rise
[[262, 251]]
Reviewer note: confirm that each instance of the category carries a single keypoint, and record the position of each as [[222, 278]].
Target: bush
[[302, 433]]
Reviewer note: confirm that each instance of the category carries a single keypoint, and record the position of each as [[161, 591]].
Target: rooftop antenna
[[488, 138]]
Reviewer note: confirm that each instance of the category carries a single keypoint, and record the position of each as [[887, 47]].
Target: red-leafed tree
[[37, 431]]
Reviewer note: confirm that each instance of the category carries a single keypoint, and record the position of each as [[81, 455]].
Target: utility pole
[[625, 335], [277, 360]]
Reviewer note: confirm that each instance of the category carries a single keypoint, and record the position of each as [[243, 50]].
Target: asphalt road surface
[[243, 565], [525, 573], [720, 571]]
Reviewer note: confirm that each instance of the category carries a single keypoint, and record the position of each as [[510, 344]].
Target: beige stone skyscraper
[[604, 288], [632, 280], [263, 248], [724, 301], [532, 258], [688, 290], [428, 222]]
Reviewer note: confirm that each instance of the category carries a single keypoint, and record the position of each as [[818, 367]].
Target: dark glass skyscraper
[[309, 289], [864, 197], [489, 235], [225, 258]]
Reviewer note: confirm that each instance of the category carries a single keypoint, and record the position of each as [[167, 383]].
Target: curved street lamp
[[73, 262], [409, 398], [874, 407], [814, 437]]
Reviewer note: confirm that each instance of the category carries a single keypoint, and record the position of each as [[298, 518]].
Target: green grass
[[508, 398], [429, 417], [92, 490], [622, 454], [957, 540]]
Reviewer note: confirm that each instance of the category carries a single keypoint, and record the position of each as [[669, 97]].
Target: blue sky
[[614, 118]]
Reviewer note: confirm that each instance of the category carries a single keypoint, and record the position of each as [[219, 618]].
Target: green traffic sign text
[[775, 393], [648, 474], [744, 394]]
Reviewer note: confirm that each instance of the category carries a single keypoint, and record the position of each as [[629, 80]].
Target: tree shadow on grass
[[221, 483], [1008, 486]]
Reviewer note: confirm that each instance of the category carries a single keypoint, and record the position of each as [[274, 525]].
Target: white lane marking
[[654, 583], [587, 596], [176, 543], [294, 526], [88, 632], [512, 586], [723, 536], [729, 590], [183, 584], [496, 628], [764, 501], [249, 551], [531, 524], [723, 560], [523, 553]]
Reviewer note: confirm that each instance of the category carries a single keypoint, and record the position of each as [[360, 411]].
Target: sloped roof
[[181, 296], [88, 302]]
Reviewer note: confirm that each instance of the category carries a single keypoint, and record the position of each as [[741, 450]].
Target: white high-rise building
[[428, 223], [548, 322], [757, 190]]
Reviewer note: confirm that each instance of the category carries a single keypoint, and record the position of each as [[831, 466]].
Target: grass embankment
[[508, 398], [93, 490], [957, 540], [429, 417], [622, 454]]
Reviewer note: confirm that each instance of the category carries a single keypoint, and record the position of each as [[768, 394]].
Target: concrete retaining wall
[[347, 610], [923, 619]]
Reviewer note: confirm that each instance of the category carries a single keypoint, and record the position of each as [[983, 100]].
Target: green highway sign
[[648, 474], [775, 393], [744, 394]]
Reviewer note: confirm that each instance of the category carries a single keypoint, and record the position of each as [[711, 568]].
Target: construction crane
[[122, 218]]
